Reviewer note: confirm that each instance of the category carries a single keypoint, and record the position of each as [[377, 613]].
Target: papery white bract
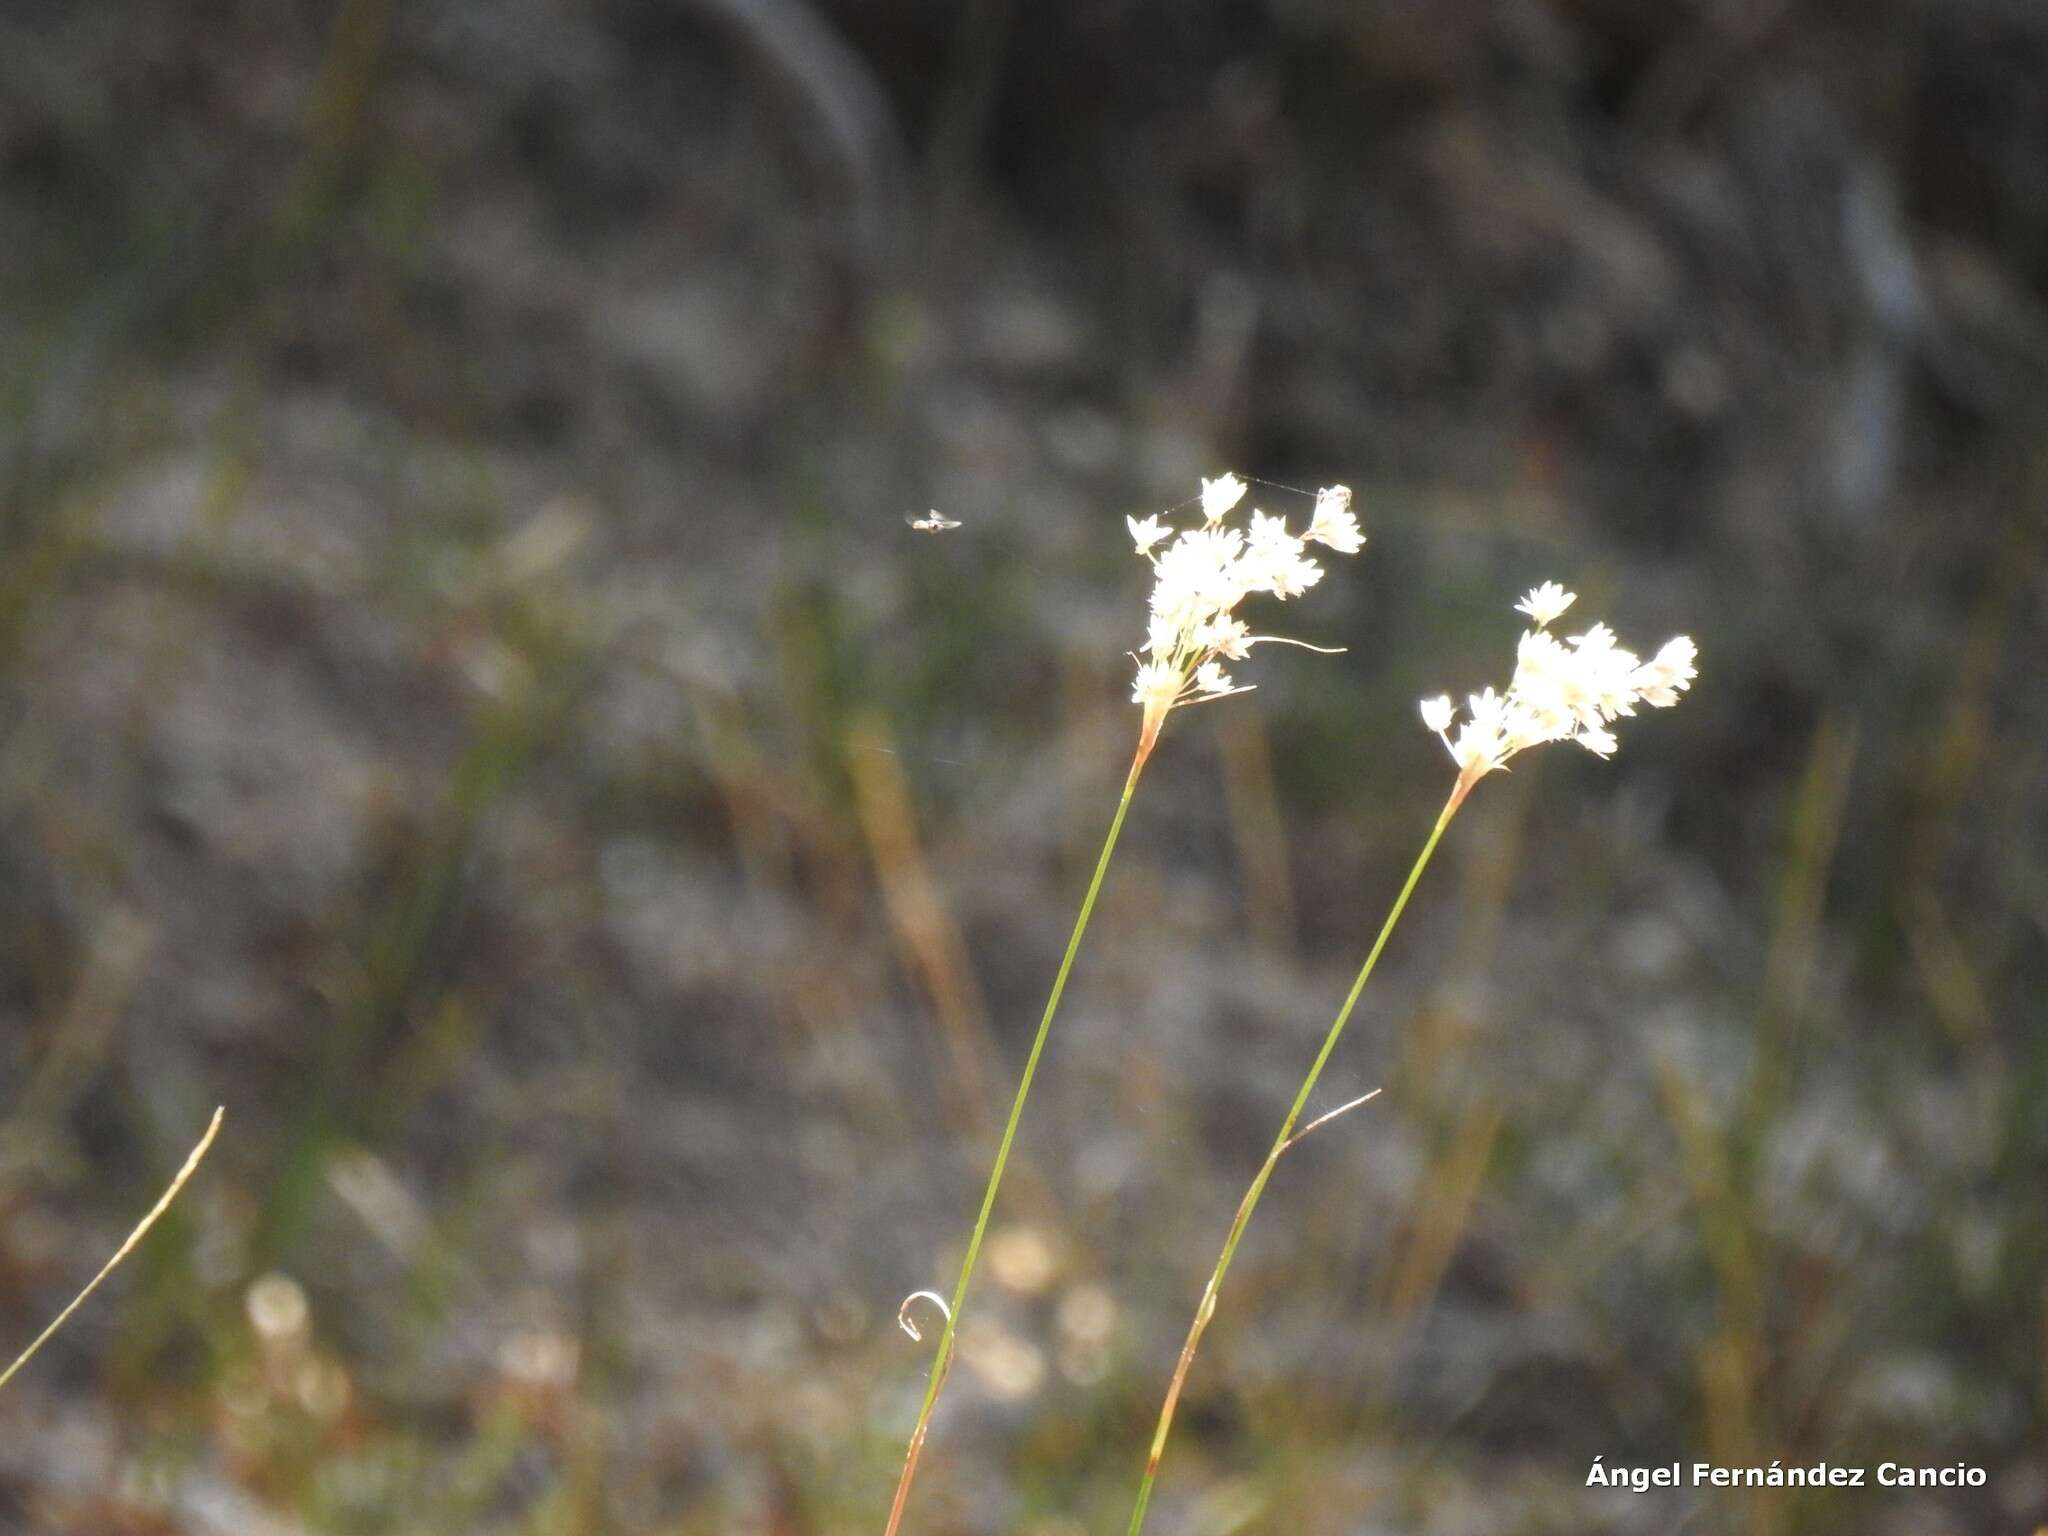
[[1202, 574], [1156, 686], [1562, 690]]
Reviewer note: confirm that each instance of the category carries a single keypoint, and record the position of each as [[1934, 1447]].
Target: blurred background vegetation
[[469, 703]]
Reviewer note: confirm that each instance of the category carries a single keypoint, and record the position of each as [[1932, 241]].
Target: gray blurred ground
[[471, 704]]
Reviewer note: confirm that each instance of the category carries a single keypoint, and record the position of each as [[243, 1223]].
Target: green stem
[[1281, 1143], [942, 1359]]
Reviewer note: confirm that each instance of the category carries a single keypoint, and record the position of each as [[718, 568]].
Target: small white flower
[[1287, 574], [1226, 637], [1560, 691], [1266, 535], [1147, 533], [1219, 496], [1663, 676], [1545, 603], [1334, 523], [1211, 678]]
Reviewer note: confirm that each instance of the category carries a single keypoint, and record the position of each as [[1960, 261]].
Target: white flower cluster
[[1562, 690], [1201, 576]]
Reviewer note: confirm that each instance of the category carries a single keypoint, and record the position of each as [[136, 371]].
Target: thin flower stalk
[[1572, 690], [1207, 1308], [1199, 579]]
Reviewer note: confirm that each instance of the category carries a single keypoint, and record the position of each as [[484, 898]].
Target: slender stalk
[[1281, 1143], [142, 1227], [942, 1360]]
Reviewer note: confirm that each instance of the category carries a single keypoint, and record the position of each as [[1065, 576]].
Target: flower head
[[1562, 690], [1202, 574]]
